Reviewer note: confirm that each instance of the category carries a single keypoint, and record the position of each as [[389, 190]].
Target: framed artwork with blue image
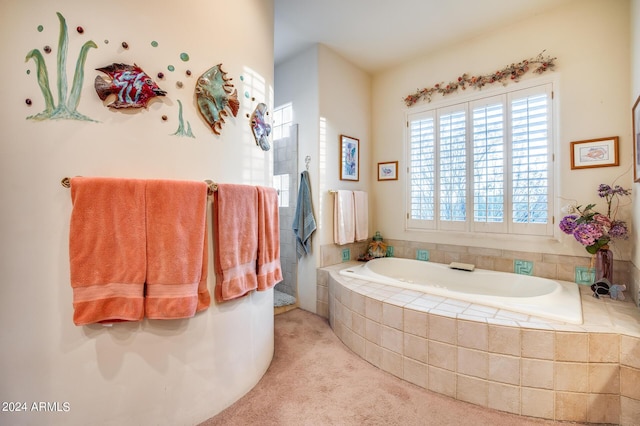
[[349, 158]]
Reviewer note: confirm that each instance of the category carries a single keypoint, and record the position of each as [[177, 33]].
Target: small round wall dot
[[160, 75], [47, 49], [125, 45], [179, 84], [188, 72], [165, 118], [80, 30], [28, 101]]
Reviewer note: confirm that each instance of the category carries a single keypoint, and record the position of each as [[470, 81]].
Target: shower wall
[[285, 170]]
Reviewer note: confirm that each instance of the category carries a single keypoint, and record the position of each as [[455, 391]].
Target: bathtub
[[541, 297]]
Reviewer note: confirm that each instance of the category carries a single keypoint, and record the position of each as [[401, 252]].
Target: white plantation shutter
[[531, 157], [422, 171], [452, 188], [484, 165], [489, 157]]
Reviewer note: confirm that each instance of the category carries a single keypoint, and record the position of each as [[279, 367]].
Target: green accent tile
[[523, 267], [389, 251], [346, 255], [585, 276], [422, 255]]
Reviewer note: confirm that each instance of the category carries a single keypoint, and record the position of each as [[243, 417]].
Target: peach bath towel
[[107, 249], [361, 215], [343, 218], [177, 250], [235, 228], [269, 271]]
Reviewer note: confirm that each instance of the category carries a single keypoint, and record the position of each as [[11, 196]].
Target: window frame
[[507, 227]]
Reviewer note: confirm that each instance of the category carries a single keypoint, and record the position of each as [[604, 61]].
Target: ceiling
[[377, 34]]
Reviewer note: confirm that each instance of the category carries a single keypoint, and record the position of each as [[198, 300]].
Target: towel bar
[[213, 187]]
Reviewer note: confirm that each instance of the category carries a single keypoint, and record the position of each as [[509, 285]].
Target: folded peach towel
[[235, 228], [107, 249], [361, 215], [343, 218], [269, 271], [177, 250]]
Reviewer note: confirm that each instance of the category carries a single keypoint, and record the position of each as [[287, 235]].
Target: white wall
[[296, 82], [153, 372], [590, 39], [330, 97]]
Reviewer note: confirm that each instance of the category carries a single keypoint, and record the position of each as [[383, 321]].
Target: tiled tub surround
[[552, 266], [495, 358]]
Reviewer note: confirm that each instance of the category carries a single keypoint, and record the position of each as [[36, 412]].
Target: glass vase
[[604, 264]]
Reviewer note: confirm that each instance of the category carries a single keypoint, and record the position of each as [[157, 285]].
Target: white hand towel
[[343, 218], [361, 215]]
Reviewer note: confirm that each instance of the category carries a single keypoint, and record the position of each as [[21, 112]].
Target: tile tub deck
[[495, 358]]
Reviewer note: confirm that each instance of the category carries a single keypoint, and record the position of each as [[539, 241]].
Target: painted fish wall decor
[[261, 129], [132, 86], [215, 95]]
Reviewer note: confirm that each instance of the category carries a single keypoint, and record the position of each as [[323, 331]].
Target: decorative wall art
[[215, 96], [635, 112], [260, 128], [349, 158], [512, 72], [388, 171], [132, 86], [594, 153], [67, 107], [181, 129]]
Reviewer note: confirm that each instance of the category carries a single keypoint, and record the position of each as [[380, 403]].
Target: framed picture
[[388, 171], [349, 158], [636, 141], [594, 153]]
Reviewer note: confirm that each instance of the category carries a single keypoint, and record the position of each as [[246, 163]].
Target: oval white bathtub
[[541, 297]]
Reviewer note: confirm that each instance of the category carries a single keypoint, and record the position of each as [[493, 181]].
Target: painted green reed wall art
[[67, 107], [181, 131]]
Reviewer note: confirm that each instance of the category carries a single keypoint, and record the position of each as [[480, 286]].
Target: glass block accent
[[422, 255], [523, 267], [346, 255], [389, 251], [584, 275]]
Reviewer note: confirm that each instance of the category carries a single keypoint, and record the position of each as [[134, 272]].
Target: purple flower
[[587, 233], [593, 229], [604, 190], [619, 230], [568, 224]]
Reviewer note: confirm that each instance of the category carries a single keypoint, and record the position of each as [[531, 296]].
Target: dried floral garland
[[513, 72]]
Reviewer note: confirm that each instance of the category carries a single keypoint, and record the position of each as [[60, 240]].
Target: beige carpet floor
[[315, 380]]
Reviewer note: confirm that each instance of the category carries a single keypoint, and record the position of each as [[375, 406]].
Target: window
[[484, 165], [282, 120]]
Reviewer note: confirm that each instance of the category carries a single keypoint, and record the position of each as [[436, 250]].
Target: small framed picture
[[388, 170], [594, 153], [636, 140], [349, 158]]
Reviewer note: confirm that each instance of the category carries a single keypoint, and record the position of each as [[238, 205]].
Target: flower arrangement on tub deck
[[592, 229]]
